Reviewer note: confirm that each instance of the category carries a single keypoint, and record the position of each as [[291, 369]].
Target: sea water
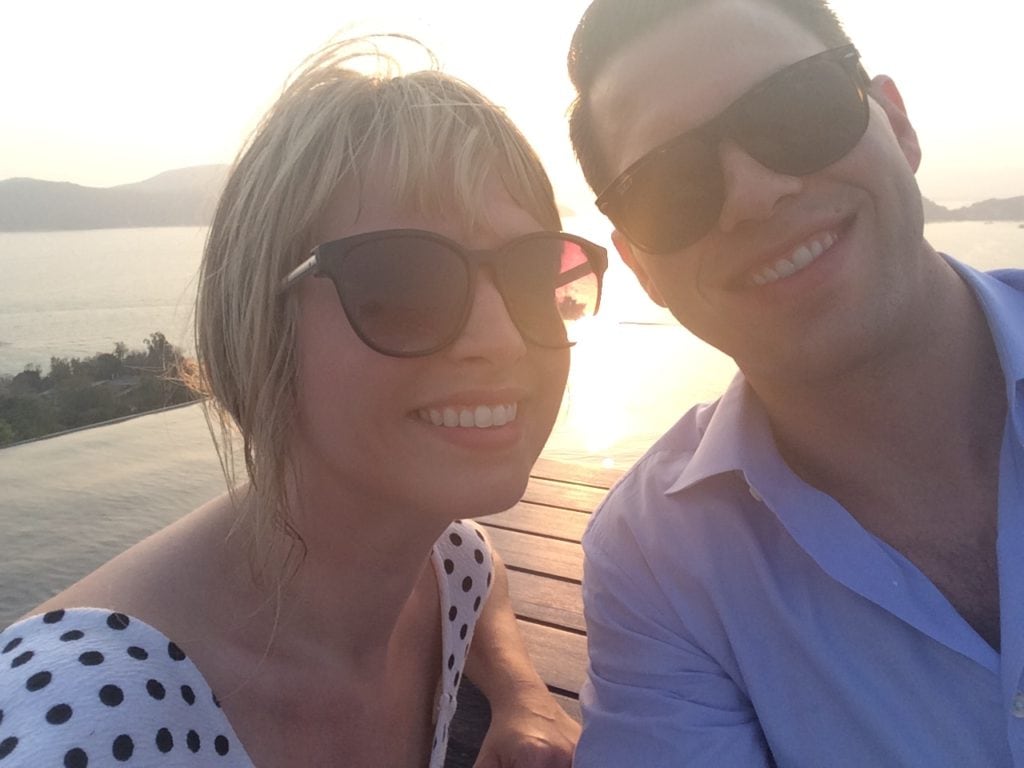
[[69, 503]]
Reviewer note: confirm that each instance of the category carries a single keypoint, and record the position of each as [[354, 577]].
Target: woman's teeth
[[796, 261], [480, 416]]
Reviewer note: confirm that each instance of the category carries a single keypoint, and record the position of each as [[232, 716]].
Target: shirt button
[[1018, 705], [757, 496]]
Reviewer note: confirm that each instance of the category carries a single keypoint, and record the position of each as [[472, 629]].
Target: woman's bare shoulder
[[164, 576]]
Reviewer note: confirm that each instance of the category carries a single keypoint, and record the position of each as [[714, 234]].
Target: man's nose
[[490, 332], [752, 191]]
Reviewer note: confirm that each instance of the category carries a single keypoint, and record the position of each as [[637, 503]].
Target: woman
[[401, 378]]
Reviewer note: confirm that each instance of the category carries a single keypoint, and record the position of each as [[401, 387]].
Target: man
[[825, 567]]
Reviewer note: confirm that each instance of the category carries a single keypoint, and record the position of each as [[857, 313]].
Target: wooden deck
[[539, 540]]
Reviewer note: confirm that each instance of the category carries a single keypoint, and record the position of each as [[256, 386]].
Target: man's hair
[[435, 139], [609, 26]]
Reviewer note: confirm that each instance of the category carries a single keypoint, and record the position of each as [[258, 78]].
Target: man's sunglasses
[[409, 292], [798, 121]]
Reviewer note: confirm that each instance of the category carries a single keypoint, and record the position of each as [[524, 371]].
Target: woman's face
[[367, 425]]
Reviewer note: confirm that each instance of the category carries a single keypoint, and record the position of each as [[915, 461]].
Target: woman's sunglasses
[[798, 121], [409, 292]]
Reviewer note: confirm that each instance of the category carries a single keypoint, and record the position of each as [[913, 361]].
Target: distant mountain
[[1006, 209], [188, 196], [183, 197]]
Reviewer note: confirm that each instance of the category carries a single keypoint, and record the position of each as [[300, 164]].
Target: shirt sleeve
[[88, 687], [653, 697]]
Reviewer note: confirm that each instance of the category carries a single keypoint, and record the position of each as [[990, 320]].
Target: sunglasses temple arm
[[299, 272], [575, 273]]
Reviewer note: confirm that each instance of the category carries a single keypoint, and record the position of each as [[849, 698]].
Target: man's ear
[[885, 92], [625, 249]]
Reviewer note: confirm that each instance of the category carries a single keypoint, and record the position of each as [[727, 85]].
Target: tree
[[107, 366], [160, 353], [29, 381], [60, 370], [7, 435]]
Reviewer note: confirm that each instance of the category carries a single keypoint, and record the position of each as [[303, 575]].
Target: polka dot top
[[88, 687]]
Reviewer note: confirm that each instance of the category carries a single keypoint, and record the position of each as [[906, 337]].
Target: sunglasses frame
[[318, 265], [721, 126]]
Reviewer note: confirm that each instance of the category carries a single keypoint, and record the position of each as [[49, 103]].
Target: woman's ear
[[625, 249], [885, 92]]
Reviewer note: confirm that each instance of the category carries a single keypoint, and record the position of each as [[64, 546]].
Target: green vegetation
[[77, 393]]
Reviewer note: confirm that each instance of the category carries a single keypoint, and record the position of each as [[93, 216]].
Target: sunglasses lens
[[672, 200], [404, 295], [804, 121], [549, 286], [797, 122]]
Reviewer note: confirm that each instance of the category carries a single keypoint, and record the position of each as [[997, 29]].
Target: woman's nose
[[490, 331]]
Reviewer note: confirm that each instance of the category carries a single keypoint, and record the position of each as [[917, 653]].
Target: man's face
[[800, 275]]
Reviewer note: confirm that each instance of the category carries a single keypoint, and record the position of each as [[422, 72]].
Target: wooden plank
[[546, 600], [559, 656], [545, 521], [525, 552], [553, 493], [598, 477]]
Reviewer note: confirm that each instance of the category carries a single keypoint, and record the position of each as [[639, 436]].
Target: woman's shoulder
[[87, 684]]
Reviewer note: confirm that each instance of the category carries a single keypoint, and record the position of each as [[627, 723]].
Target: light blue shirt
[[739, 617]]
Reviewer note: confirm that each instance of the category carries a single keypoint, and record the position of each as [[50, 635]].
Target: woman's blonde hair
[[437, 139]]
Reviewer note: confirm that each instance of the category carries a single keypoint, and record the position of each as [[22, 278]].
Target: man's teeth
[[480, 416], [797, 260]]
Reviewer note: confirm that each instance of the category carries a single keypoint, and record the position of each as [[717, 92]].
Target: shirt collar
[[735, 435], [1001, 296]]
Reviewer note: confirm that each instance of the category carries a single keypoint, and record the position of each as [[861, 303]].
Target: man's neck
[[931, 405]]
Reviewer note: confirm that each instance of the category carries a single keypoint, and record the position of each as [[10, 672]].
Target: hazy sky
[[112, 92]]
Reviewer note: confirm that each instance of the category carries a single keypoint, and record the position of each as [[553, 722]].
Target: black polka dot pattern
[[21, 659], [111, 695], [463, 554], [164, 740], [91, 658], [85, 687], [123, 748], [38, 681], [7, 746], [59, 714], [221, 745]]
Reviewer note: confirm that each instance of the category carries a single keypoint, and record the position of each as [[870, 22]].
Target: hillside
[[188, 196], [183, 197], [1007, 209]]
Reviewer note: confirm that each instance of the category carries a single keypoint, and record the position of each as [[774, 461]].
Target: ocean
[[69, 503]]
